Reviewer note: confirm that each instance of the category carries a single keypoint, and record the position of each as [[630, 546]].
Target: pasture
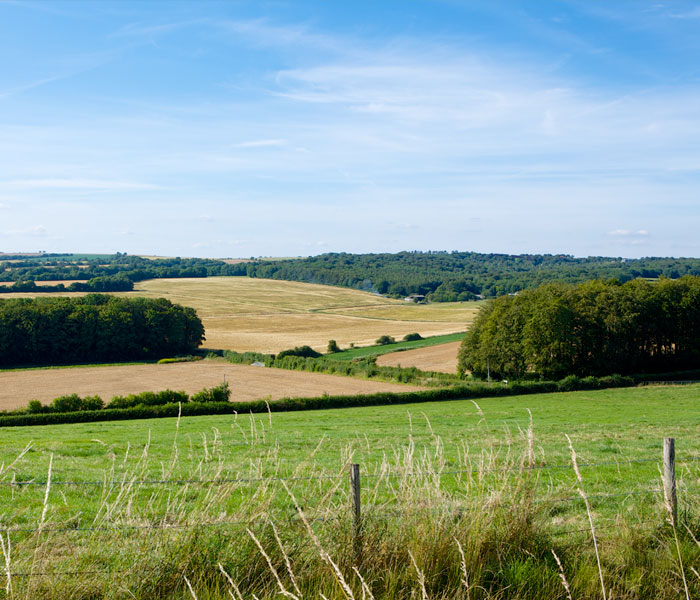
[[18, 387], [166, 499], [266, 315], [441, 358]]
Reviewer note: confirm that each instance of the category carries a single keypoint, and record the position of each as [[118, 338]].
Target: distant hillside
[[450, 276], [440, 276]]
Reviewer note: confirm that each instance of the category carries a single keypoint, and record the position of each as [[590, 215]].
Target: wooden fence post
[[357, 511], [670, 479]]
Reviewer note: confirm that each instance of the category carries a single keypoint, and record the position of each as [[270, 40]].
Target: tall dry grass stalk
[[583, 495], [477, 533], [7, 556], [564, 581]]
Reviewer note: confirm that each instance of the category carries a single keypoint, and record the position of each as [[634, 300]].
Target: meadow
[[399, 346], [461, 499], [262, 315]]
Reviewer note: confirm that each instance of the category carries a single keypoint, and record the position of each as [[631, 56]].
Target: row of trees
[[94, 328], [110, 283], [594, 328]]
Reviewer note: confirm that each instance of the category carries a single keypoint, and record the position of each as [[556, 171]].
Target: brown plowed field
[[441, 358], [17, 388]]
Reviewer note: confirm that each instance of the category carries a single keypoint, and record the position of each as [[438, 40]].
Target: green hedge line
[[364, 367], [478, 390]]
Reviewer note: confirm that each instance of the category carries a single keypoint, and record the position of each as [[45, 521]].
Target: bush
[[71, 403], [384, 340], [93, 403], [333, 346], [220, 393], [569, 384], [412, 337], [35, 407], [148, 399], [305, 351]]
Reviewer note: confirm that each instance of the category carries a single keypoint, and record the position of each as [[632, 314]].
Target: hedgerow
[[142, 411]]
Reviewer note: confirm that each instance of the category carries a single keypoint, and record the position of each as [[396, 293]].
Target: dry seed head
[[565, 583]]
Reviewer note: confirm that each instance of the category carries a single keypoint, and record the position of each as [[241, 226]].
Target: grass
[[363, 352], [264, 315], [449, 511]]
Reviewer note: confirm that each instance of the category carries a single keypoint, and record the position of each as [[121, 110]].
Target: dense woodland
[[94, 328], [593, 328], [440, 276]]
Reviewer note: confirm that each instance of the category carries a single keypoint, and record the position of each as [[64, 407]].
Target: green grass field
[[607, 425], [352, 353], [422, 466]]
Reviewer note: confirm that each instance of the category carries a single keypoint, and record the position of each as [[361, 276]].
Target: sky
[[293, 128]]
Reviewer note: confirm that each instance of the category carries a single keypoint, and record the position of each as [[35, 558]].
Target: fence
[[358, 511]]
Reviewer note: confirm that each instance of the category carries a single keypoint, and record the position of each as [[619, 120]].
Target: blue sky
[[295, 128]]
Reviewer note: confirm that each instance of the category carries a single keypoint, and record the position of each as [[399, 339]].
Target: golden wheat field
[[17, 388], [442, 358], [243, 314], [264, 315]]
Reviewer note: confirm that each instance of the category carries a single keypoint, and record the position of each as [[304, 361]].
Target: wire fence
[[368, 511], [388, 474]]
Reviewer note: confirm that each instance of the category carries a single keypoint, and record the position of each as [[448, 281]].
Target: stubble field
[[442, 358], [267, 315], [18, 387]]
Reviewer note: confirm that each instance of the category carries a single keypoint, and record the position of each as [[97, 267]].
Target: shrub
[[412, 337], [92, 403], [305, 351], [70, 403], [569, 384], [220, 393], [35, 406], [148, 399], [384, 340], [333, 346]]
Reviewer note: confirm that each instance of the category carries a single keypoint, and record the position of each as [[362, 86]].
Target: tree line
[[440, 276], [94, 328], [589, 329]]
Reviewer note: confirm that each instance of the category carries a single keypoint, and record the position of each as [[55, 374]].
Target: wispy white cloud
[[694, 13], [152, 30], [30, 85], [85, 184], [34, 231], [263, 32], [628, 233], [274, 143]]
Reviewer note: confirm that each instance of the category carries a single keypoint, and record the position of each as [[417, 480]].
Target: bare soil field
[[17, 388], [442, 358], [267, 315]]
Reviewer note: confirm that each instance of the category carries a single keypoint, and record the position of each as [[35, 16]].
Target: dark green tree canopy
[[594, 328], [94, 328]]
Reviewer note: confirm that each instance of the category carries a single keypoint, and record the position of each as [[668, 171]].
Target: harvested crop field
[[17, 388], [65, 282], [265, 315], [442, 358]]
